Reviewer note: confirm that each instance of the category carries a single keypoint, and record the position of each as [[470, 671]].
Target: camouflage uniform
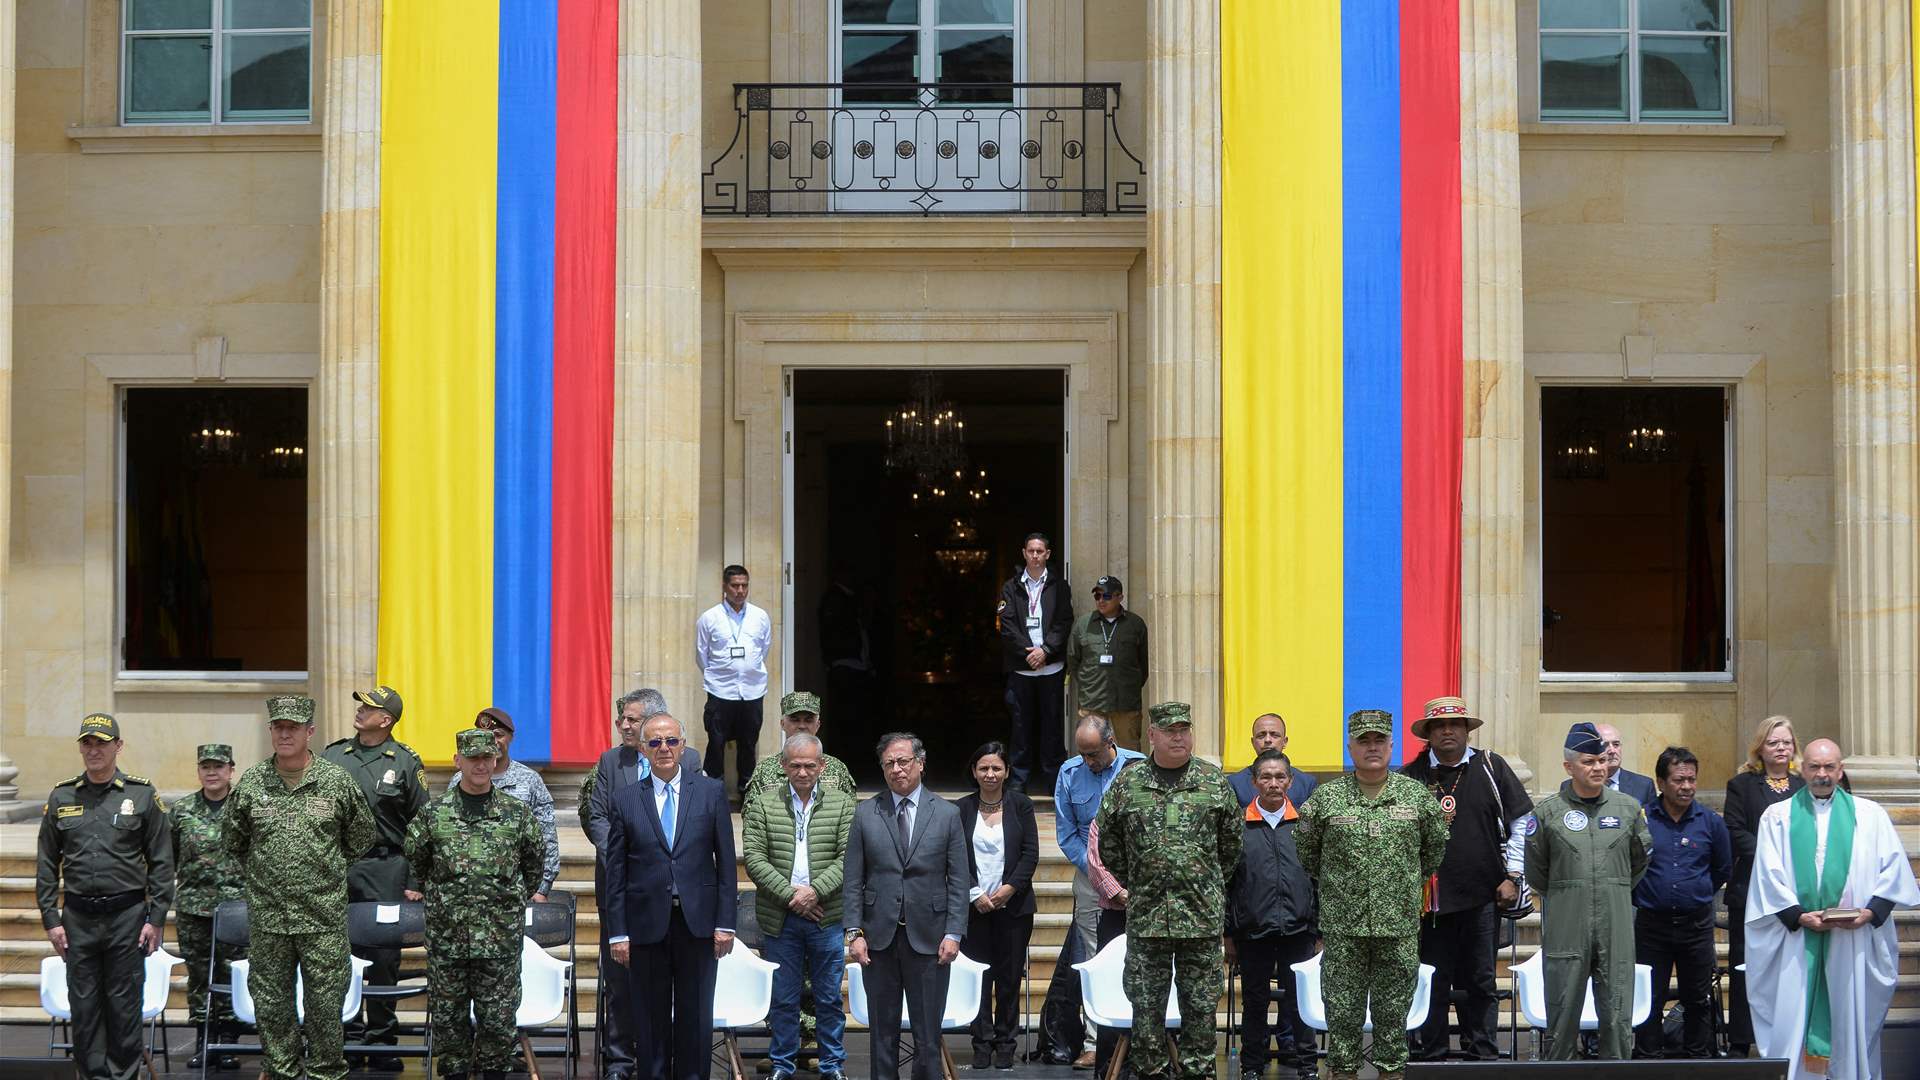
[[207, 875], [1173, 850], [1371, 858], [477, 873], [294, 846]]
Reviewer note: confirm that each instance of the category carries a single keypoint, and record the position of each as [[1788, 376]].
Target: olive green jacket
[[767, 834]]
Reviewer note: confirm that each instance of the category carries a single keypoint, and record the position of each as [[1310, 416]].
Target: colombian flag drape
[[1341, 365], [497, 239]]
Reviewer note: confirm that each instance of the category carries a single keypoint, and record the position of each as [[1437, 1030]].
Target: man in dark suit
[[906, 905], [1036, 620], [1624, 779], [671, 903], [624, 764]]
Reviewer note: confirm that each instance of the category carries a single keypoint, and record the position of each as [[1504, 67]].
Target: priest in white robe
[[1820, 984]]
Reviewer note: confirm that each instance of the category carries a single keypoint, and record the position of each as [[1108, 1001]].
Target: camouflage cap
[[1369, 722], [215, 751], [290, 707], [1170, 713], [100, 726], [476, 742], [800, 701], [381, 697]]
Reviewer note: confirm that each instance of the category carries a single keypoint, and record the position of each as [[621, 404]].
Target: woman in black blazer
[[1765, 779], [1003, 849]]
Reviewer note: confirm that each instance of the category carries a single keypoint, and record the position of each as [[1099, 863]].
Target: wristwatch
[[855, 934]]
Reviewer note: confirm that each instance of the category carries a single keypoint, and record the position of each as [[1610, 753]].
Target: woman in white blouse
[[1002, 851]]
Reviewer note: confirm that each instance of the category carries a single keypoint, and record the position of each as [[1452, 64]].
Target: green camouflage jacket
[[477, 873], [205, 872], [1172, 848], [1371, 857], [769, 776], [294, 846]]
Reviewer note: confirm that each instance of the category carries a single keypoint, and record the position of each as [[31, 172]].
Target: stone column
[[1876, 584], [11, 807], [348, 443], [1496, 676], [656, 453], [1183, 296]]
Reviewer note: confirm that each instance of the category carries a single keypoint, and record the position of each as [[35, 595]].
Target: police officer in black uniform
[[395, 783], [104, 841]]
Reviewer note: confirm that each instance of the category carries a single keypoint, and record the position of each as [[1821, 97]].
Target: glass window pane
[[1683, 14], [878, 58], [1683, 78], [169, 14], [267, 77], [859, 12], [976, 56], [268, 14], [1583, 76], [976, 11], [169, 78], [1583, 14]]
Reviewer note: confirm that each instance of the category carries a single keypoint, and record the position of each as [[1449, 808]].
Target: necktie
[[901, 825], [666, 817]]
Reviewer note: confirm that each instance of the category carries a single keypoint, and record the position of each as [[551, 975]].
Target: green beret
[[290, 707], [1168, 713], [800, 701], [476, 742], [1370, 722]]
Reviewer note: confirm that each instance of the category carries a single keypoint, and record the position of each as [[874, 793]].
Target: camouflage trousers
[[1355, 970], [324, 967], [471, 1004], [1194, 967], [196, 948]]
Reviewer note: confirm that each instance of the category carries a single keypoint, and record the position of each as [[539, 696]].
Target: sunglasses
[[1098, 595], [658, 743]]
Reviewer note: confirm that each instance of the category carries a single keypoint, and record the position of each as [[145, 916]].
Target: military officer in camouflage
[[479, 856], [207, 875], [1587, 846], [104, 880], [394, 782], [296, 821], [799, 715], [1170, 834], [1370, 839]]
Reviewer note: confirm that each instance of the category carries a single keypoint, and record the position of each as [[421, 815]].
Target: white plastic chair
[[1530, 990], [56, 998], [742, 997], [53, 989], [243, 1009], [1105, 1002], [1313, 1008], [543, 997], [963, 1003], [153, 998]]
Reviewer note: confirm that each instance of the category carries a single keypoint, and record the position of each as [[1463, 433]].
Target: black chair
[[231, 933], [1507, 936], [551, 925], [386, 925]]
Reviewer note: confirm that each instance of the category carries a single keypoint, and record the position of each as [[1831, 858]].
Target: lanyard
[[1106, 633], [800, 816], [733, 626], [1034, 591]]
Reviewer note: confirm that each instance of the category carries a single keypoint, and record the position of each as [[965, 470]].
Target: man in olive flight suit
[[395, 783], [104, 881], [1586, 848]]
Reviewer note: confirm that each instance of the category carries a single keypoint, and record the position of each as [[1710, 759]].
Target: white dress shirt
[[1036, 623], [802, 819], [719, 632], [989, 857]]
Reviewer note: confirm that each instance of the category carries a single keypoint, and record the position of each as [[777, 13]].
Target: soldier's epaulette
[[341, 742], [72, 781], [391, 743], [132, 779]]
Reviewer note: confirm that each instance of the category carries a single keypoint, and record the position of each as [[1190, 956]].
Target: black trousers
[[1263, 962], [1666, 941], [106, 974], [735, 721], [671, 986], [1460, 946], [1035, 703], [892, 970], [1111, 925], [1739, 1015], [998, 940], [616, 1018], [378, 877]]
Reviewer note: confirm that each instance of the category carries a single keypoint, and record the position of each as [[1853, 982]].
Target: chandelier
[[1580, 453], [926, 438], [1649, 425], [214, 438]]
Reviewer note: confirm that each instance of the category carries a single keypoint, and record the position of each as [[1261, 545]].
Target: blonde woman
[[1767, 777]]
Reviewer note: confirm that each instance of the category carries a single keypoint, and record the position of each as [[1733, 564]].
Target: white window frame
[[1634, 33], [1730, 571], [216, 66], [926, 31]]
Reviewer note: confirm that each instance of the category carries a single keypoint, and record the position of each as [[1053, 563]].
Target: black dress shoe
[[389, 1063], [1003, 1058]]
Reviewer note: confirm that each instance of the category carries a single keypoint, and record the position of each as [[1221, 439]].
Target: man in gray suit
[[624, 764], [906, 891]]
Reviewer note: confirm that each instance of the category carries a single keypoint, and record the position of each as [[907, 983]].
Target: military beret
[[1169, 713], [380, 697], [1584, 738], [800, 701], [216, 751], [1369, 722], [496, 714], [290, 707], [100, 726], [476, 742]]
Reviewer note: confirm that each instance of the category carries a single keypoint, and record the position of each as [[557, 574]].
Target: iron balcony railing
[[911, 148]]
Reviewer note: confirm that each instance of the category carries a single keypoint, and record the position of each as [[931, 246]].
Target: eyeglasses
[[898, 763], [658, 743]]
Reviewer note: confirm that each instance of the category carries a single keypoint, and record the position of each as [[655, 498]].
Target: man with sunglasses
[[1107, 655]]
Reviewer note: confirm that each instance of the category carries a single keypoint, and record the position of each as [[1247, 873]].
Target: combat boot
[[1397, 1074], [199, 1058]]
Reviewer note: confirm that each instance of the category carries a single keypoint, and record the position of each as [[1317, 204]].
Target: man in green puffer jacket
[[795, 844]]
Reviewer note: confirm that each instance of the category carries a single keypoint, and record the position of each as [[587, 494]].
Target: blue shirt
[[1076, 800], [1689, 861]]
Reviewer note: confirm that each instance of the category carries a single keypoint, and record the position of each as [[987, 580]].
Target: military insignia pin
[[1574, 820], [126, 806], [388, 778]]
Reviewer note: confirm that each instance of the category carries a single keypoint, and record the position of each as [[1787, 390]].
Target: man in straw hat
[[1487, 808]]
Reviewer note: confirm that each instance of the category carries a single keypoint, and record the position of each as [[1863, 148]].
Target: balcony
[[910, 148]]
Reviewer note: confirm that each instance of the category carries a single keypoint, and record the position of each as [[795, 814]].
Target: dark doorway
[[897, 568]]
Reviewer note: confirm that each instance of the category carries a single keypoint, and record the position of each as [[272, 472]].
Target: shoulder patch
[[1533, 824]]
